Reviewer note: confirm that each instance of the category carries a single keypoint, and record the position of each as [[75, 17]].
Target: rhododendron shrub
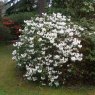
[[47, 48], [13, 27]]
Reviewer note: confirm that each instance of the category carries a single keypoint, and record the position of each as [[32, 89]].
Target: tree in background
[[21, 6], [41, 6], [26, 6], [76, 7]]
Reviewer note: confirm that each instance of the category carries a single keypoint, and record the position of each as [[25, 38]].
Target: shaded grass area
[[12, 83]]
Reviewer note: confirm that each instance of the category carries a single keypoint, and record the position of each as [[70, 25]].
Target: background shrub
[[76, 9], [13, 27], [21, 16], [87, 67], [5, 33]]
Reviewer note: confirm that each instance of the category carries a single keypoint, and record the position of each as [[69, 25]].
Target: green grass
[[12, 83]]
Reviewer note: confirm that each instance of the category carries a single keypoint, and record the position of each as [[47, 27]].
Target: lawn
[[11, 82]]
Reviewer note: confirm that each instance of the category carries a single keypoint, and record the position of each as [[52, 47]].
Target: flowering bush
[[13, 27], [48, 47]]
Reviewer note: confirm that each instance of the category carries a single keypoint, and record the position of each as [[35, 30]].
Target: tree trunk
[[41, 7]]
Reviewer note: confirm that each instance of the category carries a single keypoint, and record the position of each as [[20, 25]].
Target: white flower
[[52, 80], [28, 78], [43, 52], [59, 73], [41, 19], [40, 26], [76, 41], [50, 61], [37, 67], [44, 14], [14, 52], [54, 15], [23, 55], [56, 57], [49, 5], [31, 46], [43, 84], [47, 63], [64, 18], [34, 6], [19, 64], [40, 39], [80, 59], [73, 58], [59, 15], [43, 78], [52, 41], [43, 30], [55, 65], [37, 19], [56, 77], [31, 38], [63, 60], [56, 83], [61, 31], [81, 28], [14, 58], [39, 71], [80, 46], [71, 34]]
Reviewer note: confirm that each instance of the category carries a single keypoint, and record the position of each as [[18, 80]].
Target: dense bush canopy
[[76, 8], [48, 47]]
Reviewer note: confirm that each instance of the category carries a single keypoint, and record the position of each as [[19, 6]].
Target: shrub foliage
[[49, 48]]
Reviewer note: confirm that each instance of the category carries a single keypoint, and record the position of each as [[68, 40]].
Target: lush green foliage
[[20, 17], [88, 66], [76, 8]]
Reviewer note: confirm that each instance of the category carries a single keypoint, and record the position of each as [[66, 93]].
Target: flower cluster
[[48, 43]]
